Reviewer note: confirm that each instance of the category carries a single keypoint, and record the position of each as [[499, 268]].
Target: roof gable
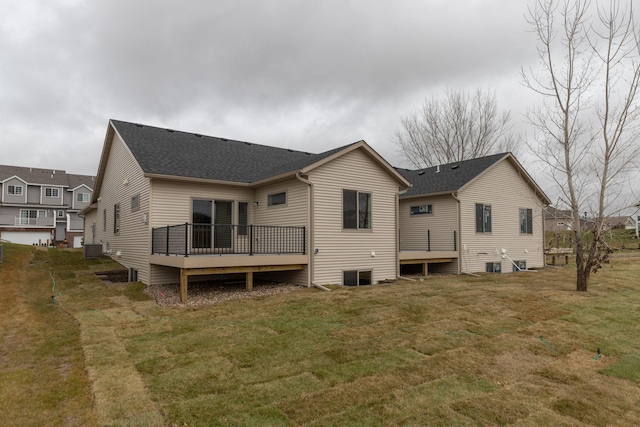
[[171, 153], [447, 178], [34, 176], [454, 177]]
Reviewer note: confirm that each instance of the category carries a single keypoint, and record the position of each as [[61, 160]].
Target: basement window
[[521, 265], [356, 277], [494, 267]]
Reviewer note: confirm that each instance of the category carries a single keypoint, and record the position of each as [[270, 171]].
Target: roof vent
[[438, 169], [421, 173], [248, 143], [198, 135], [454, 166], [224, 139], [290, 150], [139, 125], [170, 130]]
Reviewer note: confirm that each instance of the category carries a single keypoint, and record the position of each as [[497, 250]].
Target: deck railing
[[434, 241], [219, 239]]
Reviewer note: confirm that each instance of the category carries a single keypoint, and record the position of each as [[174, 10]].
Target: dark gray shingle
[[451, 176], [175, 153]]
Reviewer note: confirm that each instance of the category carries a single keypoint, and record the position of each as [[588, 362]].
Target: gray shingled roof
[[451, 176], [78, 180], [175, 153], [35, 175]]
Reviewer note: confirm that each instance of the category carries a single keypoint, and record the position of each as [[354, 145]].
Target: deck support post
[[184, 281], [249, 280]]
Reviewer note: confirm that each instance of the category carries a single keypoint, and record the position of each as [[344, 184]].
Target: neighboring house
[[619, 222], [40, 206], [477, 215], [558, 219], [171, 205]]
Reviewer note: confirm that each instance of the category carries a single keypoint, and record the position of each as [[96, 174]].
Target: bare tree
[[458, 127], [585, 129]]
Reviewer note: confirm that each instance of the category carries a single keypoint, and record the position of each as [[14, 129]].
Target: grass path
[[120, 394]]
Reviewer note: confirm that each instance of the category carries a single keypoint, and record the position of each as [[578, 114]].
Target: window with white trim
[[104, 220], [83, 197], [52, 192], [356, 210], [135, 202], [15, 190], [60, 213]]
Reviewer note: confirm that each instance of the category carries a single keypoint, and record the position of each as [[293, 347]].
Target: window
[[104, 220], [356, 278], [52, 192], [133, 274], [60, 214], [494, 267], [277, 199], [135, 202], [116, 219], [422, 209], [243, 218], [519, 265], [526, 221], [483, 218], [82, 197], [15, 190], [356, 210], [29, 216]]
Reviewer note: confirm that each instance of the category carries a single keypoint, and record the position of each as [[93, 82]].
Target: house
[[559, 219], [480, 215], [41, 206], [175, 206], [619, 222]]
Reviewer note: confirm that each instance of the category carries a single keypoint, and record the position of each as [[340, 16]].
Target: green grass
[[517, 349]]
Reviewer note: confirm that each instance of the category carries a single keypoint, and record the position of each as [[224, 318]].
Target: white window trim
[[52, 190]]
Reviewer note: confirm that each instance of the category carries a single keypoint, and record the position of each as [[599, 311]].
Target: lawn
[[517, 349]]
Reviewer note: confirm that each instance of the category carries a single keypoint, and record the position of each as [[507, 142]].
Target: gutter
[[459, 237], [310, 195]]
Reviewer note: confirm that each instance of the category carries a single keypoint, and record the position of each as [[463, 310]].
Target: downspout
[[459, 236], [398, 194], [310, 251]]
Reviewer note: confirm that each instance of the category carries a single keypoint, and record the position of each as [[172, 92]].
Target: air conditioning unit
[[93, 250]]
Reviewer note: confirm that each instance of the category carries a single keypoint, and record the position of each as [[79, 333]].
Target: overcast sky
[[307, 75]]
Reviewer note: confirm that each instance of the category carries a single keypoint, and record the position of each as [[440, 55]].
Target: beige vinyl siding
[[293, 213], [506, 192], [172, 200], [122, 179], [172, 203], [338, 249], [441, 224]]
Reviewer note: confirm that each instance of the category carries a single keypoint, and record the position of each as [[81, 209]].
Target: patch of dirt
[[213, 292]]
